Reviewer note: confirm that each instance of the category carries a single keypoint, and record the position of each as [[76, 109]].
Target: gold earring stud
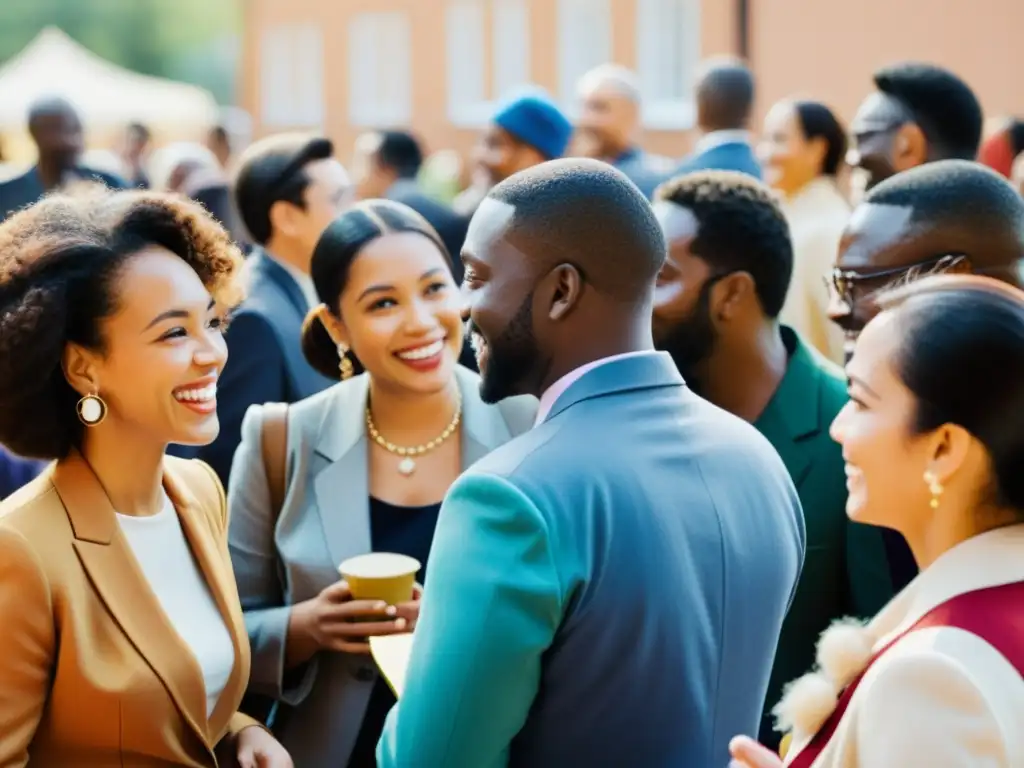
[[345, 363], [934, 488]]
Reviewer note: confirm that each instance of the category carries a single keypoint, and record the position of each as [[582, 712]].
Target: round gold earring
[[91, 410], [345, 364], [934, 487]]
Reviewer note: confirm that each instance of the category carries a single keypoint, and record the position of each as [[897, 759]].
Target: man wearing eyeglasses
[[918, 114], [946, 216], [288, 188]]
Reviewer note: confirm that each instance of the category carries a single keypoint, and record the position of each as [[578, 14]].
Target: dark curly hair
[[740, 229], [59, 260], [340, 245]]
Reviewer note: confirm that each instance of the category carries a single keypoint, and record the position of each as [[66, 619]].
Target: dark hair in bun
[[339, 246], [961, 354], [59, 262]]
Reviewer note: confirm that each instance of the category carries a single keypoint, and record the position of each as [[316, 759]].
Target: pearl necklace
[[408, 464]]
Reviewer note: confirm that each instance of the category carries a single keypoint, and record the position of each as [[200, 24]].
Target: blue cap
[[534, 118]]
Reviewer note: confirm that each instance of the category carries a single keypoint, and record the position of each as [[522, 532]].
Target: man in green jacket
[[716, 312]]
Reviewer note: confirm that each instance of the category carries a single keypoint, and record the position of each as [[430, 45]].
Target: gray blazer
[[324, 520]]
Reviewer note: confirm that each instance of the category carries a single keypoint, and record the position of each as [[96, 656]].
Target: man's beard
[[691, 341], [513, 359]]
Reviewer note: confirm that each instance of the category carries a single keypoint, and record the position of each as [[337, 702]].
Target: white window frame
[[471, 45], [292, 76], [379, 59], [584, 42], [653, 35]]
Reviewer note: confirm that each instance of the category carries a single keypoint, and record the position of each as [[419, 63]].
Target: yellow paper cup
[[381, 576]]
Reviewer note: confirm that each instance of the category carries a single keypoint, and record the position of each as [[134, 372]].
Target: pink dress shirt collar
[[556, 390]]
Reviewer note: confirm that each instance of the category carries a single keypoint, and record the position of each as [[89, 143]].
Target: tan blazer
[[939, 696], [92, 673]]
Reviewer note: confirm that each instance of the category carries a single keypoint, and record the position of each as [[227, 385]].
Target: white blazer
[[939, 697]]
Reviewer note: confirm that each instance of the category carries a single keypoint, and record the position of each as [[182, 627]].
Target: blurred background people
[[802, 150], [918, 113], [724, 94], [56, 131], [609, 125], [135, 149]]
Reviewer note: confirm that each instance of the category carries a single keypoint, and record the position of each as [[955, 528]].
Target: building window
[[668, 52], [584, 42], [292, 76], [380, 70], [488, 54]]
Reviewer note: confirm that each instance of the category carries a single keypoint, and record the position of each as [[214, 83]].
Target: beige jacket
[[939, 697]]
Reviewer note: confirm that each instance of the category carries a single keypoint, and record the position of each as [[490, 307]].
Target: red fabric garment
[[995, 614]]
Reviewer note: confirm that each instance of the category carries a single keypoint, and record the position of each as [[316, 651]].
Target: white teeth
[[422, 353], [204, 395]]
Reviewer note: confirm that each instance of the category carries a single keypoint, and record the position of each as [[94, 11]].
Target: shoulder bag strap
[[274, 445]]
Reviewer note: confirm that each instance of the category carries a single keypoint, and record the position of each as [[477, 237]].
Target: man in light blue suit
[[725, 99], [608, 588]]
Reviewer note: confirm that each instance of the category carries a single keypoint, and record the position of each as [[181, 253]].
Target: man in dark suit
[[608, 588], [716, 312], [725, 98], [56, 129], [287, 190]]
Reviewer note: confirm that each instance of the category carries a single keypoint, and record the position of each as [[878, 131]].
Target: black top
[[405, 531]]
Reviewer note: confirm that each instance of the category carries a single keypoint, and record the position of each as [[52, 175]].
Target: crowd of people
[[601, 400]]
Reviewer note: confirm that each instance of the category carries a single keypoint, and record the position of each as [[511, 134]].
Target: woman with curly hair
[[123, 639]]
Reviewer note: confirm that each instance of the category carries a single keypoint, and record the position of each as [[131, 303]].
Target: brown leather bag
[[274, 446], [274, 449]]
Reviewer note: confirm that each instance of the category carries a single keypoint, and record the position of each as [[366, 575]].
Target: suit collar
[[263, 264], [988, 560], [107, 558], [795, 413], [341, 440], [622, 374], [716, 139]]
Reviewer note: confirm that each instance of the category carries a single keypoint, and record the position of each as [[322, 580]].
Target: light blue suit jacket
[[732, 156], [606, 589]]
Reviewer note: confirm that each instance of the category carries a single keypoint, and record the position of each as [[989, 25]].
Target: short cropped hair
[[740, 229], [953, 193], [401, 152], [591, 215], [271, 171], [59, 261], [942, 104]]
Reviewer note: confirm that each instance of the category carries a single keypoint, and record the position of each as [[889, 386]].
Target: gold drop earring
[[934, 487], [345, 363]]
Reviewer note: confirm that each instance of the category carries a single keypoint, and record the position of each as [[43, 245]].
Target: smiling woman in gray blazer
[[368, 462]]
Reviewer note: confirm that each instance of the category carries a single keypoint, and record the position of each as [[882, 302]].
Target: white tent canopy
[[106, 95]]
